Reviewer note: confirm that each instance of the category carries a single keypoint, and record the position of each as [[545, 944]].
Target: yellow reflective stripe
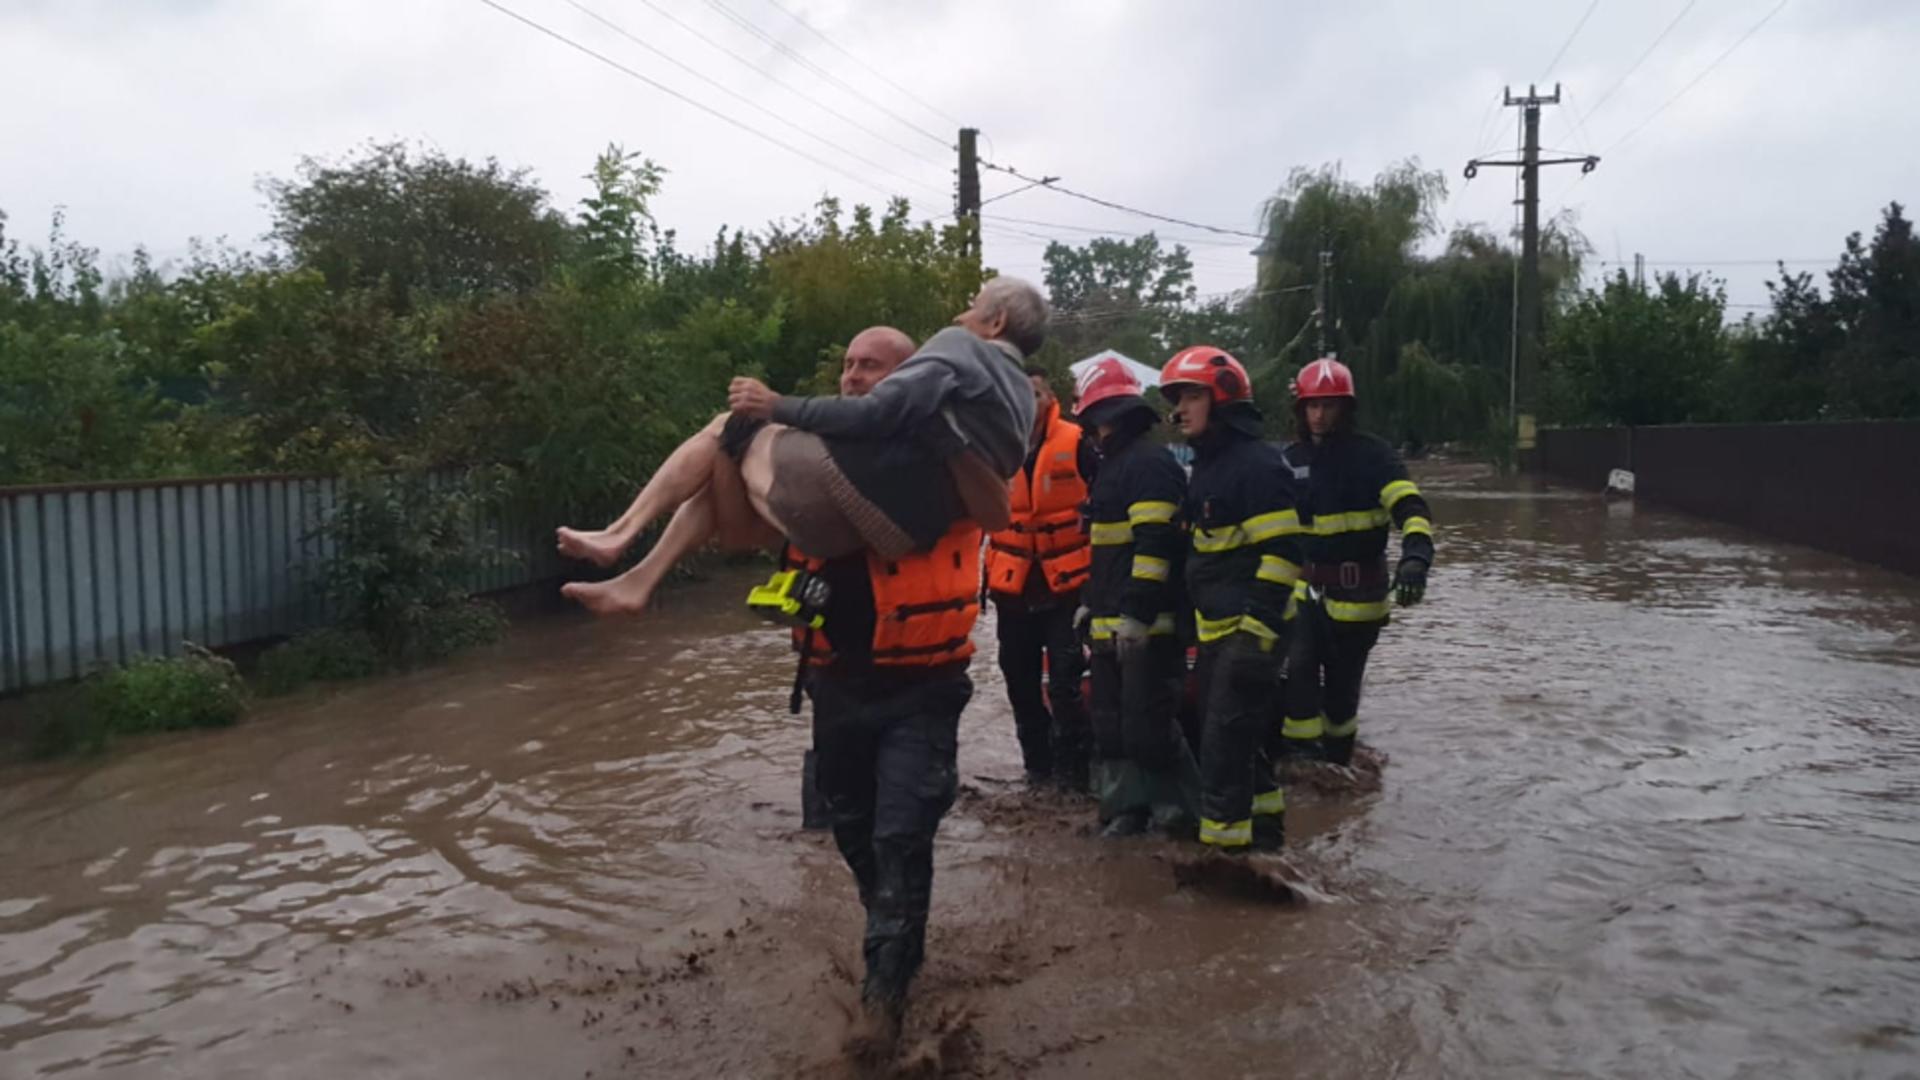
[[1311, 728], [1214, 629], [1270, 802], [1396, 491], [1357, 521], [1102, 628], [1260, 630], [1349, 611], [1267, 526], [1417, 526], [1278, 570], [1149, 568], [1212, 540], [1111, 532], [1299, 591], [1226, 834], [1343, 728], [1151, 513]]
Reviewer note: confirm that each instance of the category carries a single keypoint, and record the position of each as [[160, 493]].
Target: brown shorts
[[818, 507]]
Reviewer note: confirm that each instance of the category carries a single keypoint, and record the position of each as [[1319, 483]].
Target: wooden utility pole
[[967, 207], [1529, 327]]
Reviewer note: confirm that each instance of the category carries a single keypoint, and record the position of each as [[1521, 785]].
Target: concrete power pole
[[1530, 329], [1323, 298], [967, 208]]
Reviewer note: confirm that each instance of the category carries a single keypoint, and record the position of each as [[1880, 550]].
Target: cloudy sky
[[151, 120]]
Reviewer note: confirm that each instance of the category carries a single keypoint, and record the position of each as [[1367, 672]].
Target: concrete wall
[[1851, 488]]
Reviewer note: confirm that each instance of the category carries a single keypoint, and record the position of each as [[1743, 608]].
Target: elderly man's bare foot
[[601, 547], [620, 596]]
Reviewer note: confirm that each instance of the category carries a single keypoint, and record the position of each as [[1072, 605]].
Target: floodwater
[[1652, 808]]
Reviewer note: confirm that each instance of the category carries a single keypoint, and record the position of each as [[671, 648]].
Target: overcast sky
[[151, 120]]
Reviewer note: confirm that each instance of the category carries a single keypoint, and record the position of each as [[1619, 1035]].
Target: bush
[[323, 655], [156, 694]]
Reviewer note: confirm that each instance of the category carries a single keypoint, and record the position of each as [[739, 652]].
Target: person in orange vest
[[1036, 567], [884, 646]]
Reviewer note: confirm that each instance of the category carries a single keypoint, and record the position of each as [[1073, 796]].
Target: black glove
[[1410, 582]]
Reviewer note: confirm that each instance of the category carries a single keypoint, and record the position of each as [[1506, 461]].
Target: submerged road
[[1652, 808]]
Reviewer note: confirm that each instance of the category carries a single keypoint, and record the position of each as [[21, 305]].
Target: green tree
[[1117, 294], [1624, 354], [1875, 306], [417, 222]]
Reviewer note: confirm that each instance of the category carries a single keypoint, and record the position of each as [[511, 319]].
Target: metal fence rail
[[100, 574]]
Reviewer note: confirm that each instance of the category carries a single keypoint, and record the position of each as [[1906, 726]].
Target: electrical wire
[[816, 32], [1621, 81], [789, 87], [1697, 79], [1568, 44], [677, 95], [786, 50], [743, 99], [1206, 240], [1124, 208]]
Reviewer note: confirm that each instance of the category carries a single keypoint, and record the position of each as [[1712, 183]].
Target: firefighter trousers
[[1144, 766], [1326, 663], [885, 755], [1238, 682]]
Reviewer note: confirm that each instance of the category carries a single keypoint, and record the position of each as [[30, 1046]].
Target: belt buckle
[[1349, 575]]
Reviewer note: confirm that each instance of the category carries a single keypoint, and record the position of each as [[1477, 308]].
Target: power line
[[1622, 80], [677, 95], [782, 47], [1697, 79], [1721, 262], [789, 87], [1124, 208], [815, 31], [1207, 240], [1568, 44], [742, 98]]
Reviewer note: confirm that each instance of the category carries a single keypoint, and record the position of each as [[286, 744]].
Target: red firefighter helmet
[[1205, 365], [1324, 378], [1104, 391]]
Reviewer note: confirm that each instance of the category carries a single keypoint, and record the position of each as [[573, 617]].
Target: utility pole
[[967, 209], [1322, 296], [1529, 328], [1639, 271]]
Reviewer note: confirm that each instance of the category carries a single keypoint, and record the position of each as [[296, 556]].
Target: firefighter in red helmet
[[1144, 772], [1243, 560], [1353, 487]]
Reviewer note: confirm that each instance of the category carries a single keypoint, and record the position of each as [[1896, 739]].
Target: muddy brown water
[[1650, 811]]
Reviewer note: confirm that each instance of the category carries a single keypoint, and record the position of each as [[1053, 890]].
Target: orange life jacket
[[1046, 528], [925, 605]]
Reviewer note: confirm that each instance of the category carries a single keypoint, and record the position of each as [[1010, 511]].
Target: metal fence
[[99, 574]]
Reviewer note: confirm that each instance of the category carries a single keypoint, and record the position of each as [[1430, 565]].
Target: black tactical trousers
[[885, 751], [1052, 727]]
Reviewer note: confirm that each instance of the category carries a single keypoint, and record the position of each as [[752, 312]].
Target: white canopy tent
[[1149, 377]]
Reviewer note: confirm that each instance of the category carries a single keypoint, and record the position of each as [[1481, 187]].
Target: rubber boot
[[1269, 831], [1337, 749]]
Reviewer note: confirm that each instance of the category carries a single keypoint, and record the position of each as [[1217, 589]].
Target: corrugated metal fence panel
[[92, 575]]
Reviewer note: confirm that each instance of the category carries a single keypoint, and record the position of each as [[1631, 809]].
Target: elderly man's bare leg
[[694, 525], [688, 469]]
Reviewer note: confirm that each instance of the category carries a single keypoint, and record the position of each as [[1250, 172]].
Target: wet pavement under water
[[1650, 810]]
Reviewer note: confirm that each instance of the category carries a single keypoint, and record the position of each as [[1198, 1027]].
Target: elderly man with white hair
[[890, 472]]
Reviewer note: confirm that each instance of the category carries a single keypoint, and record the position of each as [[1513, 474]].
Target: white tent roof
[[1149, 377]]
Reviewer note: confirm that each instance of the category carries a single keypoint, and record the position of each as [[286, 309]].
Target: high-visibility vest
[[925, 604], [1046, 531]]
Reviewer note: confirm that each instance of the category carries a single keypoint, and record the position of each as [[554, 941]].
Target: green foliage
[[329, 654], [615, 218], [1127, 295], [413, 221], [1629, 355], [402, 553], [196, 690]]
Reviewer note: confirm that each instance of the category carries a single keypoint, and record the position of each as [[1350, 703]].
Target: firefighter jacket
[[1353, 489], [1133, 521], [1046, 533], [1246, 545], [907, 614]]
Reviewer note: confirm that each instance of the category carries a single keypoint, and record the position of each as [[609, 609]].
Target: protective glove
[[1130, 639], [1410, 582], [1080, 616]]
